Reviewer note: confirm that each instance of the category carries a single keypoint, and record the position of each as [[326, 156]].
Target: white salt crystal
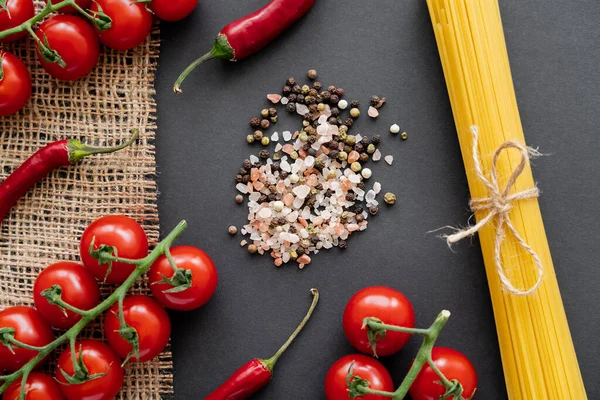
[[370, 196], [285, 257], [389, 159], [354, 178], [309, 161], [294, 178], [358, 138], [358, 191], [253, 159], [322, 119], [285, 166], [275, 137], [254, 196], [284, 100], [265, 212], [377, 187], [301, 109], [287, 135], [322, 129], [243, 188], [297, 204], [301, 191], [292, 217], [293, 238], [278, 147], [377, 155]]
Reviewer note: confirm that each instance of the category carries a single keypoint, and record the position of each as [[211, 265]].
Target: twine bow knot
[[498, 205]]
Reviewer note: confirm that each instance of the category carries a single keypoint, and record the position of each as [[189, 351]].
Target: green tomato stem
[[379, 325], [18, 343], [71, 335]]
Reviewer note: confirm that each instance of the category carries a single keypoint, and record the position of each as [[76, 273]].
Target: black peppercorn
[[255, 122], [357, 209], [305, 147], [315, 123], [284, 174], [265, 124], [310, 100], [275, 166], [334, 99], [340, 92], [364, 157], [333, 145], [328, 193], [264, 154], [262, 198], [350, 196], [373, 210], [354, 104], [312, 152], [247, 164], [347, 148], [296, 89], [257, 164], [293, 229], [332, 121], [360, 185], [290, 81], [238, 178], [365, 140], [272, 197], [245, 179], [317, 85], [313, 92], [293, 97], [349, 122], [333, 154], [331, 89], [242, 171], [300, 99], [312, 108], [342, 244], [286, 90], [335, 112], [374, 100], [291, 107], [319, 98], [314, 239], [312, 139], [360, 218], [326, 96], [359, 147], [307, 117], [376, 139], [300, 251]]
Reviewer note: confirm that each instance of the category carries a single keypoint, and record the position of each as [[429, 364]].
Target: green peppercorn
[[343, 129], [356, 167], [312, 74], [354, 112], [294, 155], [265, 124], [317, 85], [305, 123], [389, 198], [332, 174], [264, 154], [310, 100], [277, 156], [264, 113], [305, 89], [371, 148], [265, 141], [342, 156], [274, 119], [250, 138], [303, 137], [258, 135], [350, 140], [347, 148], [321, 107], [343, 135], [293, 255], [272, 112], [312, 108], [404, 135]]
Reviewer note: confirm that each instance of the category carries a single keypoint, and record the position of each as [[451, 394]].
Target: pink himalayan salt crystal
[[288, 199], [339, 229], [288, 148], [258, 185], [265, 246], [352, 227], [254, 174], [303, 222], [346, 185], [274, 98], [250, 187], [281, 187], [264, 227], [243, 243], [312, 180], [318, 221], [353, 156], [304, 259], [278, 262]]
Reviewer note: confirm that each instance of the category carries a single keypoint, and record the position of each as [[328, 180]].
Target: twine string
[[498, 205]]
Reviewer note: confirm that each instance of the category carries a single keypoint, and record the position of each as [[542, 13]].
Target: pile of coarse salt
[[302, 201]]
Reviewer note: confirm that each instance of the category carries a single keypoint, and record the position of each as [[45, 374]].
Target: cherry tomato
[[98, 358], [365, 367], [204, 278], [387, 304], [30, 328], [454, 365], [173, 10], [120, 232], [84, 4], [131, 23], [15, 85], [148, 318], [79, 289], [74, 41], [38, 387], [14, 14]]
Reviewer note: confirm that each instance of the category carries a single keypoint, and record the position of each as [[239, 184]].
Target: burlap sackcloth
[[45, 226]]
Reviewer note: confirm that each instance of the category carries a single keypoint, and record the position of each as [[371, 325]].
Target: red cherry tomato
[[454, 365], [84, 4], [120, 232], [387, 304], [74, 41], [30, 328], [364, 367], [204, 278], [131, 23], [15, 85], [148, 318], [38, 387], [98, 358], [173, 10], [16, 12], [79, 289]]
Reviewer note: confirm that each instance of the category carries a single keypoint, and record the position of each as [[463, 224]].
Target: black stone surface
[[387, 48]]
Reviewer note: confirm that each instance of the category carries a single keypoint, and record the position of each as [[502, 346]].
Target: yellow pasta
[[537, 351]]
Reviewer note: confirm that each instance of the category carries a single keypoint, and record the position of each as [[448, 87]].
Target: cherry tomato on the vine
[[14, 14], [364, 367], [120, 232], [38, 387], [98, 358], [131, 23], [173, 10], [385, 303], [84, 4], [204, 278], [15, 84], [79, 289], [75, 42], [453, 365], [148, 318], [30, 328]]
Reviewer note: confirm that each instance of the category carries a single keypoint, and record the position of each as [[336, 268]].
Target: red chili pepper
[[249, 34], [54, 155], [256, 374]]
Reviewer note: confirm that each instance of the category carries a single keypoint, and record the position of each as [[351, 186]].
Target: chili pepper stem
[[221, 49], [430, 336], [270, 363], [78, 150], [71, 335]]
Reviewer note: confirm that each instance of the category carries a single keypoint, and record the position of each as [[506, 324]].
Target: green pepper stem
[[270, 363], [78, 151], [90, 315], [208, 56]]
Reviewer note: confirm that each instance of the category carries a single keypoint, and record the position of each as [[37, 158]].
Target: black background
[[386, 48]]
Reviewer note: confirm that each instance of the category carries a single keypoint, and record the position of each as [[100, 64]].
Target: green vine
[[53, 295]]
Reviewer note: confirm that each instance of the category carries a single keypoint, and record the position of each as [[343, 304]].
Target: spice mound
[[315, 190]]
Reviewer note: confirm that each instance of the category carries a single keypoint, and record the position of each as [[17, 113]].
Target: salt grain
[[253, 159], [275, 136], [301, 191], [377, 155], [242, 188], [301, 109], [284, 100], [287, 135], [389, 159], [373, 113], [377, 187]]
